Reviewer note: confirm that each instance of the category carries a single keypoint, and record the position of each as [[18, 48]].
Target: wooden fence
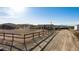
[[21, 39]]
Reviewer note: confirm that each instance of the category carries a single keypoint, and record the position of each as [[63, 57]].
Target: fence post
[[38, 34], [12, 42], [25, 42], [3, 38], [43, 32], [48, 32], [33, 36]]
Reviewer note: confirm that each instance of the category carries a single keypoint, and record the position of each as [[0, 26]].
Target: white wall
[[76, 27]]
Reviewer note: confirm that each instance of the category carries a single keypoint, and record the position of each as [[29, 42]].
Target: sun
[[17, 9]]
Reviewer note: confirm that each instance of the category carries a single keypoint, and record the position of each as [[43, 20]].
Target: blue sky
[[40, 15]]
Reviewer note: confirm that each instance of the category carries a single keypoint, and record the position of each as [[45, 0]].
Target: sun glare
[[17, 9]]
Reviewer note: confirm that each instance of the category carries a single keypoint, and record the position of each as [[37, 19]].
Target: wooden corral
[[13, 40]]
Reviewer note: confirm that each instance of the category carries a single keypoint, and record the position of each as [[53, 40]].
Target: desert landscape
[[21, 39], [39, 29], [43, 39], [65, 40]]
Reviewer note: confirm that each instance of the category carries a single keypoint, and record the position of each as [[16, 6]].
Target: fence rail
[[13, 38]]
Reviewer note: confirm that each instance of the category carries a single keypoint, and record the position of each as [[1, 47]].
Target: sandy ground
[[63, 41], [18, 42], [20, 31]]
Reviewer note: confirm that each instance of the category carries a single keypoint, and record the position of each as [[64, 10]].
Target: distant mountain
[[8, 26]]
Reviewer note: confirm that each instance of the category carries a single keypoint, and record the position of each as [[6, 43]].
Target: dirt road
[[64, 41]]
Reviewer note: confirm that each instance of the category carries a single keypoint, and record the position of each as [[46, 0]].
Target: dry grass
[[19, 42], [20, 31], [76, 33]]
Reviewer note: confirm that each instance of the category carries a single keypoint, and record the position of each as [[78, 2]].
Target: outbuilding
[[76, 27]]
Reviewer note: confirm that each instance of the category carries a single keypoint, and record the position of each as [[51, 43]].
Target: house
[[76, 27]]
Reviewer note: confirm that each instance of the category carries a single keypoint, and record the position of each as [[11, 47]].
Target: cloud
[[3, 11], [7, 13]]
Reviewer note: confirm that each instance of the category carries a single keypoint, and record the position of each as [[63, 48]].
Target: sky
[[40, 15]]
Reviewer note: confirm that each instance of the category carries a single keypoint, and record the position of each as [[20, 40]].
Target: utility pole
[[52, 24], [51, 20]]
